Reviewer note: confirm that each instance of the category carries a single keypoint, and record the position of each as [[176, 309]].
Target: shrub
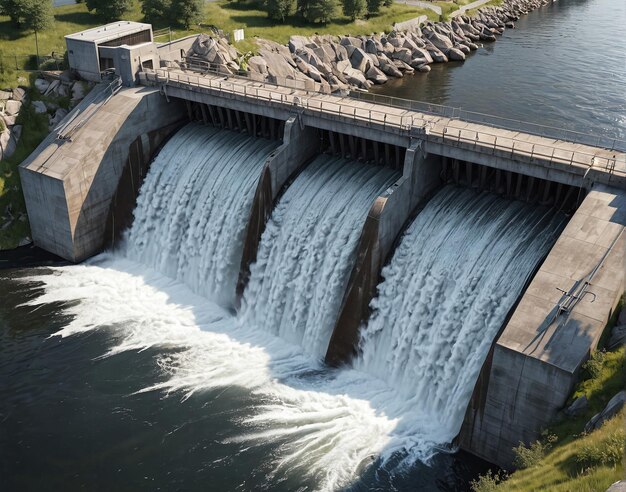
[[606, 452], [595, 363], [528, 456], [488, 482], [279, 9]]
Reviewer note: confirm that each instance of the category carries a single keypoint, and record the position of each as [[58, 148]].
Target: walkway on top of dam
[[445, 136]]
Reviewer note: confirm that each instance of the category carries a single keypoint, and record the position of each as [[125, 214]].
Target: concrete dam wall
[[81, 188]]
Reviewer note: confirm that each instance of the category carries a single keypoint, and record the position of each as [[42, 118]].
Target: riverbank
[[328, 64]]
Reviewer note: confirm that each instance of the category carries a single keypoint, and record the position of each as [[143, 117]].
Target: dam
[[287, 206]]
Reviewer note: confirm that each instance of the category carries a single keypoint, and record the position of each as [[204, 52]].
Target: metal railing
[[448, 131], [93, 101], [601, 141]]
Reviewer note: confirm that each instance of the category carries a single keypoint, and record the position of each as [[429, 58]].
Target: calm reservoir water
[[150, 386], [563, 66]]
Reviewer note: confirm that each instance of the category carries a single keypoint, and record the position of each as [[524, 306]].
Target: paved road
[[424, 5]]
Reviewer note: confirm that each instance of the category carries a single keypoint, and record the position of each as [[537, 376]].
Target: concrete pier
[[535, 361], [299, 145], [69, 181], [385, 221]]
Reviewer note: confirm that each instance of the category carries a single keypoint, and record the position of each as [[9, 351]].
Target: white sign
[[238, 34]]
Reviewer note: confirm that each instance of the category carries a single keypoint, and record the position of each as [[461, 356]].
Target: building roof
[[102, 34]]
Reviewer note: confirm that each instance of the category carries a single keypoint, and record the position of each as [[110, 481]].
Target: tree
[[188, 12], [110, 10], [156, 9], [353, 8], [38, 18], [317, 10], [373, 6], [279, 9]]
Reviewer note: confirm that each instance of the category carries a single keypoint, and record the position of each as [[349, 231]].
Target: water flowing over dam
[[455, 275], [194, 205], [307, 251], [457, 272]]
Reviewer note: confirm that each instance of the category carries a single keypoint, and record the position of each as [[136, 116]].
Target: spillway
[[194, 206], [307, 251], [457, 272]]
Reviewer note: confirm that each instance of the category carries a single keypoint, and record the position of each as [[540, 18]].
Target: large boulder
[[42, 85], [12, 107], [402, 54], [351, 41], [8, 141], [19, 94], [618, 336], [375, 75], [455, 54], [5, 95], [52, 87], [439, 40], [360, 60], [579, 405], [297, 42], [355, 78], [388, 67], [78, 91], [39, 107], [257, 64], [57, 118], [612, 408], [201, 46]]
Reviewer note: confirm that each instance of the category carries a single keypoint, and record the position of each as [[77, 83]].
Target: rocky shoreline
[[332, 64]]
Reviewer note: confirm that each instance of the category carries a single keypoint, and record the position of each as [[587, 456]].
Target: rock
[[5, 95], [19, 94], [52, 87], [465, 49], [375, 75], [8, 120], [578, 405], [439, 40], [25, 241], [438, 56], [350, 41], [356, 77], [51, 106], [618, 336], [418, 62], [42, 85], [423, 53], [370, 47], [455, 54], [8, 141], [617, 487], [201, 46], [39, 107], [63, 90], [297, 42], [621, 319], [612, 408], [258, 64], [388, 67], [360, 60], [402, 54], [424, 68], [58, 117], [12, 107], [78, 91]]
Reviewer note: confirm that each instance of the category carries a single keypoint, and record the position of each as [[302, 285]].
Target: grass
[[34, 129]]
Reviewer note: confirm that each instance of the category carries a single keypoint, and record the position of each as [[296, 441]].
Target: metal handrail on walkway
[[436, 129], [605, 142]]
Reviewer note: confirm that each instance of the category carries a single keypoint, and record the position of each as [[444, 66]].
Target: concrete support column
[[299, 145], [535, 361], [384, 222]]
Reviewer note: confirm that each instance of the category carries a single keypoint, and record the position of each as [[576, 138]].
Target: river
[[115, 377], [563, 66]]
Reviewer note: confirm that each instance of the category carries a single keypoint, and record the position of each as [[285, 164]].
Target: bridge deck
[[609, 165]]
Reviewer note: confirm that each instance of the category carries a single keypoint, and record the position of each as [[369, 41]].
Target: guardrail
[[96, 99], [605, 142], [447, 130]]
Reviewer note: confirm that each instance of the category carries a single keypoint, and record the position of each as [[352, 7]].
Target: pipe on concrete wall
[[386, 219]]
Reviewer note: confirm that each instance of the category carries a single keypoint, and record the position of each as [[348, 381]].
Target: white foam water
[[459, 269], [326, 424], [194, 206], [307, 251]]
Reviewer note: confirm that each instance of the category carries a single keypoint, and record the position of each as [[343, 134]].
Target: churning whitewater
[[307, 251], [194, 205], [451, 282], [454, 277]]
